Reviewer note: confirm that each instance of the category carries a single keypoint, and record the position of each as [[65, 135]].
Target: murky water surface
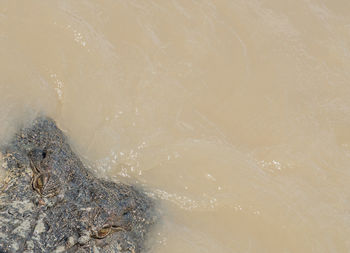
[[235, 115]]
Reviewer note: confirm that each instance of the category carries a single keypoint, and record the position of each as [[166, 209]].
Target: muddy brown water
[[234, 115]]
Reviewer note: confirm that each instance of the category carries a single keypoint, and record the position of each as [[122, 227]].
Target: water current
[[233, 114]]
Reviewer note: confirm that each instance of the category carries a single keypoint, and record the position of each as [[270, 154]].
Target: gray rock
[[49, 202]]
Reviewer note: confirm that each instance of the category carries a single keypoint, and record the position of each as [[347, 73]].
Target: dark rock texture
[[49, 202]]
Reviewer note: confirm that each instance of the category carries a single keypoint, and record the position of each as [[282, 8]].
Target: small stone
[[60, 249], [30, 245], [70, 241], [41, 202], [84, 238], [95, 250]]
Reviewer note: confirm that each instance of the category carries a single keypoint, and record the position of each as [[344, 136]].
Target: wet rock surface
[[49, 202]]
